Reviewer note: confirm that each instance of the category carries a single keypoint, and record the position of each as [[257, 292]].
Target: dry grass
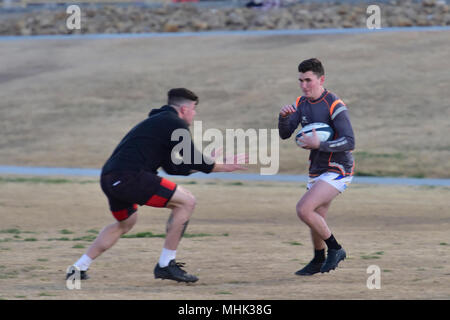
[[67, 103], [249, 232]]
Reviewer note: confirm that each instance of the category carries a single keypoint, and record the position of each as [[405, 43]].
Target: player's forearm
[[284, 127], [346, 137], [187, 169], [339, 145], [218, 168]]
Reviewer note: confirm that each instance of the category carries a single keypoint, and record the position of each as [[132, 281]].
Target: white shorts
[[337, 180]]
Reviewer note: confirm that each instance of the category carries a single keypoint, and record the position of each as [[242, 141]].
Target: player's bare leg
[[321, 193], [105, 240], [311, 209], [318, 242], [182, 204], [109, 236]]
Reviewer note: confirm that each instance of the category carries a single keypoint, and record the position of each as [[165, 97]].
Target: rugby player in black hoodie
[[129, 178]]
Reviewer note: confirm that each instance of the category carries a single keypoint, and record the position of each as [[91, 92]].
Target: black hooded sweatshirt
[[148, 146]]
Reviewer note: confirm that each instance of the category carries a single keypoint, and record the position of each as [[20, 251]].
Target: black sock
[[319, 256], [332, 243]]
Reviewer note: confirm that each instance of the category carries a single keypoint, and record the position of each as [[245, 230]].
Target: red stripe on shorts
[[168, 184], [123, 214], [156, 201], [120, 215]]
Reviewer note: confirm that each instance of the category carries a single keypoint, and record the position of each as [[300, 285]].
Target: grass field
[[248, 231], [67, 103]]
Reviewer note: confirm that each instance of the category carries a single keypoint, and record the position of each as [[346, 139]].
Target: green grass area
[[188, 182], [144, 235], [149, 234], [373, 256], [14, 232], [197, 235], [59, 239], [43, 180], [34, 180], [369, 257], [46, 294], [236, 183], [16, 237], [295, 243], [7, 274], [85, 238]]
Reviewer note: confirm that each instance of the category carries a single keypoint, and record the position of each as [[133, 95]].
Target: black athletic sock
[[319, 256], [332, 243]]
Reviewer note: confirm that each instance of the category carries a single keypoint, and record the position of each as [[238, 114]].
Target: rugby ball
[[323, 130]]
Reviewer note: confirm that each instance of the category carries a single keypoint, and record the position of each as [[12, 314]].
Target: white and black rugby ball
[[323, 130]]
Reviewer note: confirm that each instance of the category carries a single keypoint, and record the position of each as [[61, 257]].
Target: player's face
[[188, 111], [311, 84]]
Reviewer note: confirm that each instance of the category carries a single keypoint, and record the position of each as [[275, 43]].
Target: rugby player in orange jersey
[[331, 162]]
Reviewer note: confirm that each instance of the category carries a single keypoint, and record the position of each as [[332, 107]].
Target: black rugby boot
[[334, 256], [174, 272]]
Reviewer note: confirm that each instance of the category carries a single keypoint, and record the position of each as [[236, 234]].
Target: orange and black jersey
[[149, 145], [334, 155]]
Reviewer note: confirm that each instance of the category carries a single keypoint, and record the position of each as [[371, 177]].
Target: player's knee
[[126, 228], [303, 212], [190, 203], [128, 224], [322, 211]]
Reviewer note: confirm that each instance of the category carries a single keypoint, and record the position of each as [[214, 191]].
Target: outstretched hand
[[232, 163], [217, 153]]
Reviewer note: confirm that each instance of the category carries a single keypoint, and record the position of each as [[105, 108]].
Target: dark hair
[[313, 65], [177, 96]]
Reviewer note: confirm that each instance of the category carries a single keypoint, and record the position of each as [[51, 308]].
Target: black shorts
[[126, 190]]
